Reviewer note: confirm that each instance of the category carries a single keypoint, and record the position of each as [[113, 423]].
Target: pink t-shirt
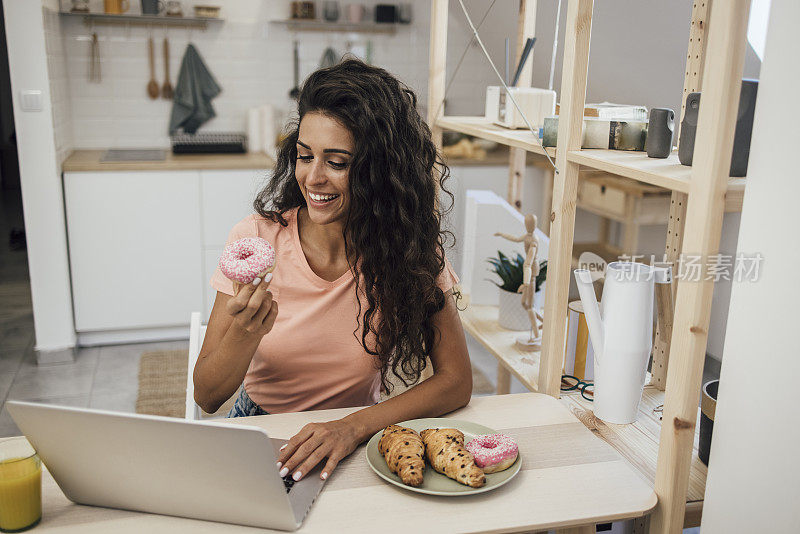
[[310, 360]]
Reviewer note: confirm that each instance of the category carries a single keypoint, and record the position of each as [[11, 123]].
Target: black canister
[[741, 139], [660, 128], [152, 7], [688, 129], [744, 127], [385, 13], [708, 406]]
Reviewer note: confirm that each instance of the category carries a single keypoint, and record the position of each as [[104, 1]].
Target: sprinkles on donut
[[245, 259], [493, 452]]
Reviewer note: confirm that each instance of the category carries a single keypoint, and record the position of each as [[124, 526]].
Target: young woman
[[361, 290]]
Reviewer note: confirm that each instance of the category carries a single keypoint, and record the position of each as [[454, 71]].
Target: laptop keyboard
[[288, 483]]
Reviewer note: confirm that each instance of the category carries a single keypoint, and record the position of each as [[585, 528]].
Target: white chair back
[[197, 332]]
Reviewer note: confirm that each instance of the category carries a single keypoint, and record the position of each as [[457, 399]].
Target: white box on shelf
[[485, 213], [535, 103]]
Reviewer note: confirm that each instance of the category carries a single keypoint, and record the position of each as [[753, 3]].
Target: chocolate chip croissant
[[403, 451], [444, 448]]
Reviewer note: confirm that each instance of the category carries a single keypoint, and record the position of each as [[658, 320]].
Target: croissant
[[444, 448], [403, 451]]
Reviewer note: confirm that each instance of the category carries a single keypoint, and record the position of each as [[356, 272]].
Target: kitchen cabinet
[[227, 197], [143, 245], [134, 246]]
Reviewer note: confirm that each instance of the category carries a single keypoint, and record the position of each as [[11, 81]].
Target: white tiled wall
[[251, 59], [59, 80]]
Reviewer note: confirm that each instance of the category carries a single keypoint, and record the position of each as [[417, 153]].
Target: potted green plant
[[511, 313]]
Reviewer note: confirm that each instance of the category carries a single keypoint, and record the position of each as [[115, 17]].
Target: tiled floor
[[100, 377]]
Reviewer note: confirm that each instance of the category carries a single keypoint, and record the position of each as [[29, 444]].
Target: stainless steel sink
[[133, 154]]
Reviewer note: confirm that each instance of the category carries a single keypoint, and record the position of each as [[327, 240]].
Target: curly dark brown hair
[[393, 229]]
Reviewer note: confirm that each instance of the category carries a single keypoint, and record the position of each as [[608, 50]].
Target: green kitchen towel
[[191, 105]]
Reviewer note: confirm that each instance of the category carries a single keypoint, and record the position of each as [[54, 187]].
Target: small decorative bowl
[[207, 12]]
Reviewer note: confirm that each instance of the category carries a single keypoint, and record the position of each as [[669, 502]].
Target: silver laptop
[[202, 470]]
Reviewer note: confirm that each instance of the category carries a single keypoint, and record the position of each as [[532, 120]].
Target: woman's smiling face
[[324, 153]]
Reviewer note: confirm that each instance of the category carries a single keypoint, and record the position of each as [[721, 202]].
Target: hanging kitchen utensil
[[329, 58], [295, 92], [94, 63], [152, 85], [166, 90]]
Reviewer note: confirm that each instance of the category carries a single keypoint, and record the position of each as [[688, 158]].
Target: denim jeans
[[244, 406]]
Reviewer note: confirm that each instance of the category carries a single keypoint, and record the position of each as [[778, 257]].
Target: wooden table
[[569, 477], [637, 442]]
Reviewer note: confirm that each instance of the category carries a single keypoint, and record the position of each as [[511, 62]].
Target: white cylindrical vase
[[511, 313]]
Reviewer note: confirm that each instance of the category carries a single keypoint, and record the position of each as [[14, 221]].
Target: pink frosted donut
[[493, 452], [247, 258]]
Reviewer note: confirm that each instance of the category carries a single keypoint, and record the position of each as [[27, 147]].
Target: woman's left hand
[[333, 440]]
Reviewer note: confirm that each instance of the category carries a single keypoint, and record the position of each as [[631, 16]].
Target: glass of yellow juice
[[20, 485]]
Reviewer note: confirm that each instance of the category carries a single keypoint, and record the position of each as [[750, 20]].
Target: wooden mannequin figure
[[530, 270]]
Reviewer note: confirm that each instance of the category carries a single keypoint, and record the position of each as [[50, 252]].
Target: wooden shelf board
[[498, 157], [481, 323], [324, 26], [638, 441], [480, 127], [735, 195], [109, 18], [667, 173]]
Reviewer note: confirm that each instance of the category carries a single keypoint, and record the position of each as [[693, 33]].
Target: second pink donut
[[493, 452]]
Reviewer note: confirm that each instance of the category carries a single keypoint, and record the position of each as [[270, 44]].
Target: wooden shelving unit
[[666, 173], [665, 454], [481, 323]]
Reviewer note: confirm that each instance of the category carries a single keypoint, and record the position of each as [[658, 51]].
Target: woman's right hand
[[253, 309]]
